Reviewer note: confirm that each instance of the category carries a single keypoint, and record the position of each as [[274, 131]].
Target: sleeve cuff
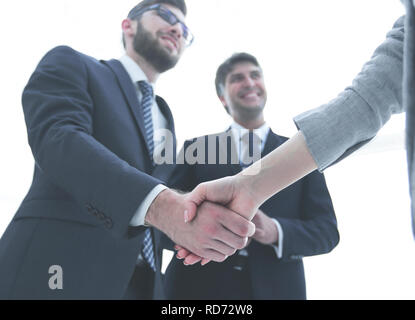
[[140, 214], [278, 248]]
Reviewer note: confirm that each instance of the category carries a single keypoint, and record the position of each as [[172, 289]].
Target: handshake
[[213, 221]]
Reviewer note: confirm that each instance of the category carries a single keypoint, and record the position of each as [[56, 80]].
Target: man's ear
[[222, 99], [128, 29]]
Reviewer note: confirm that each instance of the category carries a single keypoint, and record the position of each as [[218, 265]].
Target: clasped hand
[[209, 223], [231, 193]]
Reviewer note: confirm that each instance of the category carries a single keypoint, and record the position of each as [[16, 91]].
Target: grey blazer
[[336, 129], [409, 99]]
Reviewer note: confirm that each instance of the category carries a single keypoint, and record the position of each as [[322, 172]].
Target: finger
[[191, 259], [222, 247], [230, 240], [182, 253], [214, 255], [236, 223], [204, 262]]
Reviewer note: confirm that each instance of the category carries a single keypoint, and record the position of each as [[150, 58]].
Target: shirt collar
[[239, 131], [133, 69]]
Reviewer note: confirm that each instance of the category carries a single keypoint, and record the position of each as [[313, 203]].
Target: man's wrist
[[161, 212], [246, 183], [273, 232], [153, 214], [139, 215]]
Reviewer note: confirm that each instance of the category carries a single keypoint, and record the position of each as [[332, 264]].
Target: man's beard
[[150, 49]]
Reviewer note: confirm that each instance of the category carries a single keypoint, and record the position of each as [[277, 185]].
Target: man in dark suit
[[82, 230], [297, 222]]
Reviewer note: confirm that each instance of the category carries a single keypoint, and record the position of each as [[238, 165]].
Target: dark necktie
[[249, 154], [252, 149], [146, 103]]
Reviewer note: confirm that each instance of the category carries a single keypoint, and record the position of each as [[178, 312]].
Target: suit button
[[298, 257], [100, 215], [108, 223]]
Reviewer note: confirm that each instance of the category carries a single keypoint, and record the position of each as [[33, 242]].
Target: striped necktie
[[146, 103]]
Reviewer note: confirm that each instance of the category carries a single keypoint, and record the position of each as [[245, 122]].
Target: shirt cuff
[[278, 248], [140, 214]]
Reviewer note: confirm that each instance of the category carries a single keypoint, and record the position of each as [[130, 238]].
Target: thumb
[[193, 200], [198, 195], [190, 211]]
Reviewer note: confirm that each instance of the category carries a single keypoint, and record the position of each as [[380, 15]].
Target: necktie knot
[[145, 88]]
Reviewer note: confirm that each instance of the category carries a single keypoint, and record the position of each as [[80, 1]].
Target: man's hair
[[179, 4], [226, 67]]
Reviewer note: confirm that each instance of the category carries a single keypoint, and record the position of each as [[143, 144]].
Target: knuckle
[[200, 245], [244, 230], [210, 209], [214, 211], [202, 208], [210, 229], [206, 253], [241, 243]]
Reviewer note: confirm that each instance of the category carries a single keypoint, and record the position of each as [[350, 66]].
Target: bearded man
[[84, 230]]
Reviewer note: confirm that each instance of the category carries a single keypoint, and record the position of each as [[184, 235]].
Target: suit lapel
[[127, 88], [273, 141], [163, 171], [165, 110]]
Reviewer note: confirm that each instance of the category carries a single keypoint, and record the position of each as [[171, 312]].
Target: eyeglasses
[[167, 16]]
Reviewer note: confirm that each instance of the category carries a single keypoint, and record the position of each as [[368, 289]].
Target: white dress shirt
[[238, 132], [159, 122]]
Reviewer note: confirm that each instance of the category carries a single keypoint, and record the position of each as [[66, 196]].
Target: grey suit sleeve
[[336, 129]]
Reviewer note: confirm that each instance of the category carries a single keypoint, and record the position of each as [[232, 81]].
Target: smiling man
[[298, 222], [82, 232]]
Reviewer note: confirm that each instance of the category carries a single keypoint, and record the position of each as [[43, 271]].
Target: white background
[[309, 50]]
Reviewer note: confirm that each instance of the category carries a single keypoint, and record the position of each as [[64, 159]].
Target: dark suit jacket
[[92, 171], [306, 215]]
